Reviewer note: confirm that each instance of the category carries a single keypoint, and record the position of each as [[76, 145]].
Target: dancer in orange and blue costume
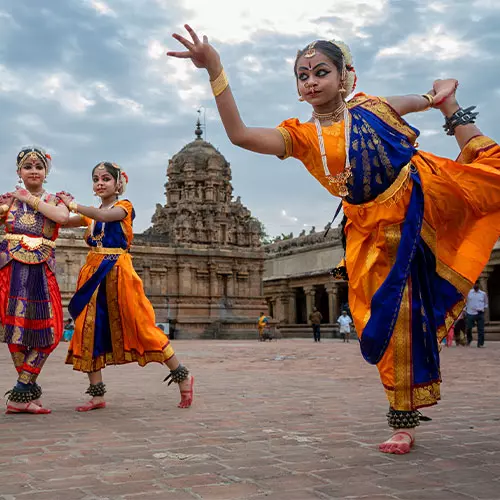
[[31, 319], [418, 228], [114, 320]]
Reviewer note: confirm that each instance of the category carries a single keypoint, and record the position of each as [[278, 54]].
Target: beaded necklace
[[341, 178]]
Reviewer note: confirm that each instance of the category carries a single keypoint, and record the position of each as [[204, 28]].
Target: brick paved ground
[[290, 420]]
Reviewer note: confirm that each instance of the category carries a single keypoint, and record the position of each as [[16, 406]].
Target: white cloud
[[128, 105], [288, 218], [437, 43], [237, 21], [486, 4], [102, 8], [156, 50], [60, 87]]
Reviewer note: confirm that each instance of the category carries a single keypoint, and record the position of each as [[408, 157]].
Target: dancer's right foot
[[186, 388], [399, 443], [94, 404]]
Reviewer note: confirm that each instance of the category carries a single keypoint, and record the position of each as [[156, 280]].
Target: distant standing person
[[261, 325], [345, 326], [69, 329], [315, 318], [477, 302]]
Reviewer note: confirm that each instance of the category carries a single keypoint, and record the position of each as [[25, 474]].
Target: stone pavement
[[290, 420]]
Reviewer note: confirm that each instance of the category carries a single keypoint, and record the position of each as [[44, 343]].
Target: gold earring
[[301, 99]]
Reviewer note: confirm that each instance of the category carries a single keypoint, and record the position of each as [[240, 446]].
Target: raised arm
[[414, 103], [404, 104], [203, 55], [98, 214]]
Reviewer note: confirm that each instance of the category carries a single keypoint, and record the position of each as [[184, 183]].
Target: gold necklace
[[340, 180], [29, 218], [99, 237], [335, 116]]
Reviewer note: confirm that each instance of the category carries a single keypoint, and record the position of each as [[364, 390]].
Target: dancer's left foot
[[399, 443], [30, 407], [186, 387], [95, 403]]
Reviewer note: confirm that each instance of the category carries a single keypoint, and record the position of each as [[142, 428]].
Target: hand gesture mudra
[[442, 90], [65, 197], [21, 194], [6, 199], [201, 53]]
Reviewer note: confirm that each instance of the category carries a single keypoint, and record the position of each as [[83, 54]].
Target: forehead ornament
[[311, 51]]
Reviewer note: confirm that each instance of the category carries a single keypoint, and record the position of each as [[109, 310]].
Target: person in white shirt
[[477, 302], [345, 325]]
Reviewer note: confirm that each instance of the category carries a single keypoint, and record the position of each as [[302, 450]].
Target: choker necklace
[[335, 116]]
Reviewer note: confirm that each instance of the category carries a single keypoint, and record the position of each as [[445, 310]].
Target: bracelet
[[430, 99], [460, 117], [4, 208], [32, 201], [219, 84], [35, 204], [73, 206]]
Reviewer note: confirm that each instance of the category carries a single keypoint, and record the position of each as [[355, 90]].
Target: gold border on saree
[[29, 242], [108, 251]]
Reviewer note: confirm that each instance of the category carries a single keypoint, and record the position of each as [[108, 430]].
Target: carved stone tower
[[200, 209]]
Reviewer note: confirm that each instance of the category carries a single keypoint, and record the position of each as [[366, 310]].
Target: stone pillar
[[184, 279], [333, 301], [281, 311], [310, 292], [483, 283], [214, 283], [230, 284], [146, 279], [292, 309], [172, 279]]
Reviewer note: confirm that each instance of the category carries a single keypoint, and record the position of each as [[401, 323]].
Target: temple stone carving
[[200, 209]]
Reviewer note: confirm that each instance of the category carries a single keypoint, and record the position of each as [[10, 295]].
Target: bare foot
[[186, 388], [94, 404], [399, 443]]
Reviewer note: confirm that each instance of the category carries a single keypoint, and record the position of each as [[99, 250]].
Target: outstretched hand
[[201, 53]]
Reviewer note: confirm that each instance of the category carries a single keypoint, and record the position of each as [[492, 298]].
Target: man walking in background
[[315, 318], [477, 302]]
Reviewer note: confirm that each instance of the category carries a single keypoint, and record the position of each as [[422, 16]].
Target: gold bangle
[[430, 99], [4, 208], [36, 202], [73, 206], [220, 84]]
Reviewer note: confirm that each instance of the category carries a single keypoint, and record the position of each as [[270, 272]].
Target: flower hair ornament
[[348, 77], [32, 153]]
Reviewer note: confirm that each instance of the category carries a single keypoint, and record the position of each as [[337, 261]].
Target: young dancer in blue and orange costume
[[419, 228], [114, 321], [31, 319]]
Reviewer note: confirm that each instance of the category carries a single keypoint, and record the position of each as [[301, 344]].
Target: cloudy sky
[[88, 80]]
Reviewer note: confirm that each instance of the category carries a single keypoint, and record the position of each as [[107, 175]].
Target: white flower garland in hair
[[350, 80]]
